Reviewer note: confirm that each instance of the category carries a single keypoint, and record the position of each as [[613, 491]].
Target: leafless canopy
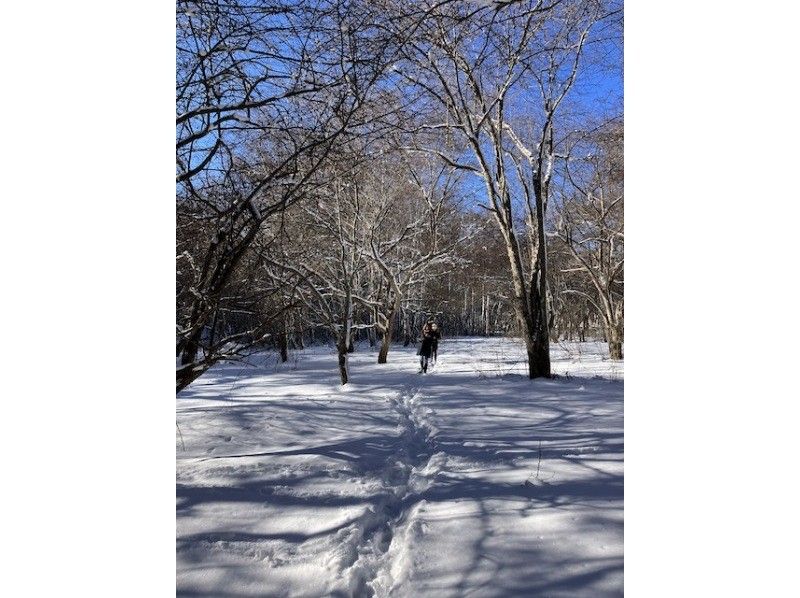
[[345, 167]]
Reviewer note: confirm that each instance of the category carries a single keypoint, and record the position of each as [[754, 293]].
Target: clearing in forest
[[469, 480]]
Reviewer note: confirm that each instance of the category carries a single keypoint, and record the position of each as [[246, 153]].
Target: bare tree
[[323, 251], [591, 227], [409, 234], [477, 65], [265, 93]]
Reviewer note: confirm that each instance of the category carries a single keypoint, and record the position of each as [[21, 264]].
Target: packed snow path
[[469, 480]]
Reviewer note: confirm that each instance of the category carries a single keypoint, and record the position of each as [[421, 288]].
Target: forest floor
[[468, 480]]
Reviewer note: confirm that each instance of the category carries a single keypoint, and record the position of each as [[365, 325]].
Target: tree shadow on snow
[[558, 443]]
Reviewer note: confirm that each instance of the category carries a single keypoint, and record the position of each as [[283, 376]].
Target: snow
[[471, 479]]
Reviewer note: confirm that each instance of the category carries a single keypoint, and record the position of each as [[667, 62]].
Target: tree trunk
[[540, 364], [190, 348], [386, 339], [283, 346], [551, 325], [530, 303], [342, 344], [406, 329], [537, 344], [532, 318], [341, 348], [614, 337], [187, 374]]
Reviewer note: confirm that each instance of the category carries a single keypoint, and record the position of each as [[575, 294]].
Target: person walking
[[436, 333], [425, 347]]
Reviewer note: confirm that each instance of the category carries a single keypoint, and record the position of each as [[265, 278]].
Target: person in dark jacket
[[426, 347], [436, 333]]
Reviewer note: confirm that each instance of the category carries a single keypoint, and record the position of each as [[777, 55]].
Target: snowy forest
[[401, 321], [347, 170], [400, 306]]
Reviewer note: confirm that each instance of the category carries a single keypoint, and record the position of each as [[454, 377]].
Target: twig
[[540, 460]]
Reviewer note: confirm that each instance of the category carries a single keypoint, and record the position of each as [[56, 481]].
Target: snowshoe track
[[379, 559]]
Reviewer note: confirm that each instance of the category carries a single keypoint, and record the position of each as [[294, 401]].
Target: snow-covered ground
[[470, 480]]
